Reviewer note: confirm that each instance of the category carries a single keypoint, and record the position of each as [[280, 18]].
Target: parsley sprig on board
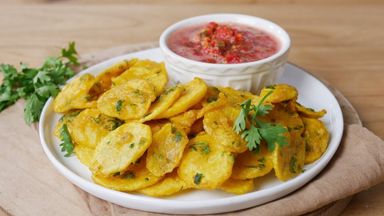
[[36, 85], [258, 130]]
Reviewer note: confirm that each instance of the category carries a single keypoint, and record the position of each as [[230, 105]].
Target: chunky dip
[[222, 43]]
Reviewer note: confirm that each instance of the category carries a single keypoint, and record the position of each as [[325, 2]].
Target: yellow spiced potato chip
[[211, 95], [194, 91], [219, 124], [75, 95], [236, 186], [185, 120], [213, 104], [90, 126], [235, 97], [153, 72], [205, 164], [316, 139], [84, 154], [288, 160], [252, 164], [104, 79], [309, 112], [169, 185], [120, 148], [130, 100], [134, 178], [165, 100], [280, 93], [166, 149]]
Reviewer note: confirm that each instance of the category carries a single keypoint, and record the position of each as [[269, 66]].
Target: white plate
[[312, 93]]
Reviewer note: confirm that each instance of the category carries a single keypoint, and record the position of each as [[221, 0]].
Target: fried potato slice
[[288, 160], [219, 124], [166, 149], [75, 95], [165, 100], [251, 164], [130, 100], [120, 148], [211, 96], [309, 112], [104, 79], [316, 139], [205, 164], [235, 97], [84, 154], [281, 92], [236, 186], [67, 118], [135, 178], [185, 120], [211, 104], [193, 93], [91, 126], [171, 184], [153, 72]]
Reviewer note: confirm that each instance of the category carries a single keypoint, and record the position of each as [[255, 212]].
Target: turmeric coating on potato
[[127, 101], [120, 148], [166, 150], [75, 95], [205, 164]]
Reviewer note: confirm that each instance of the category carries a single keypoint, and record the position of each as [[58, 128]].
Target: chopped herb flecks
[[119, 105], [197, 178], [293, 165], [202, 146]]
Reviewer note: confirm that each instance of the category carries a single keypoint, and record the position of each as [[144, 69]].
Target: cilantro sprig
[[66, 141], [36, 85], [259, 130]]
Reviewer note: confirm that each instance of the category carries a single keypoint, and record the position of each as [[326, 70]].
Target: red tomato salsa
[[222, 43]]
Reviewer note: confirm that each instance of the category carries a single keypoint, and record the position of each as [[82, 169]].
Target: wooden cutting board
[[36, 188]]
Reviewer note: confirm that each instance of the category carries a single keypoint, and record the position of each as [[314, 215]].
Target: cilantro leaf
[[67, 144], [241, 120], [253, 138], [263, 109], [33, 108], [273, 134], [70, 53]]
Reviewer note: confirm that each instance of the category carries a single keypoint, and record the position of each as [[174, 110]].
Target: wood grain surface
[[340, 42]]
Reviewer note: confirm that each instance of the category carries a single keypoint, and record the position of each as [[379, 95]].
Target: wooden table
[[341, 42]]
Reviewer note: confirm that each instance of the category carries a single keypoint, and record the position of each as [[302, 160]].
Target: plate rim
[[277, 191]]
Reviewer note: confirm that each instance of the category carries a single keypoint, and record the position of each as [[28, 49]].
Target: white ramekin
[[249, 76]]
